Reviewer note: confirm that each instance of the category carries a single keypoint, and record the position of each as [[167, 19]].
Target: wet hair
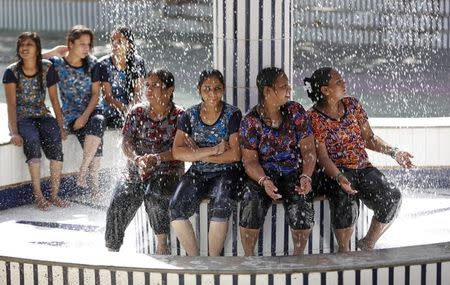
[[320, 77], [267, 77], [207, 73], [165, 76], [74, 34], [131, 70], [37, 40]]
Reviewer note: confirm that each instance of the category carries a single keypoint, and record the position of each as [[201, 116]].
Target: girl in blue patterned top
[[30, 121], [207, 136], [121, 74], [79, 88]]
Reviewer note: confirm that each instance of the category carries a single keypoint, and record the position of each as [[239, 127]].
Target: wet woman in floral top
[[342, 134]]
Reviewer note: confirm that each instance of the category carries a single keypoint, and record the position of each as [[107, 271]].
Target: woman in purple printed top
[[279, 158], [30, 121]]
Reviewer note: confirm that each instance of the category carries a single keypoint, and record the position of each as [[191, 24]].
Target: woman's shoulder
[[177, 109], [46, 64], [251, 115], [350, 101], [139, 108], [293, 107], [106, 59], [12, 67]]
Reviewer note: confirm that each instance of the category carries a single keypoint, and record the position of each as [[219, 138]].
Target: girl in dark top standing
[[279, 158], [342, 132], [30, 121], [207, 135], [121, 75]]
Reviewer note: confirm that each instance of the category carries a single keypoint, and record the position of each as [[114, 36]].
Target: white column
[[248, 36]]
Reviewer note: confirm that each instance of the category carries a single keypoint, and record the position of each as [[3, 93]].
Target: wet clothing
[[255, 202], [378, 194], [75, 86], [219, 186], [35, 124], [343, 138], [128, 196], [157, 186], [280, 157], [150, 136], [108, 72], [210, 135], [30, 98], [346, 148], [40, 133], [217, 181], [95, 126], [278, 148]]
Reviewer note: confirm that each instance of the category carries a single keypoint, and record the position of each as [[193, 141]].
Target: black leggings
[[374, 191], [221, 187], [128, 197]]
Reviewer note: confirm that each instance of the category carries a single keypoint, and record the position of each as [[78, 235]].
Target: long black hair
[[267, 77], [74, 34], [37, 40], [165, 76], [320, 77], [131, 70]]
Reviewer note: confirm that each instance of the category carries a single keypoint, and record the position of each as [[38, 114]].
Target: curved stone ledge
[[427, 264]]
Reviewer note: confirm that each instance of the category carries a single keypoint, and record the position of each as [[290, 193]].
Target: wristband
[[305, 176], [158, 159], [262, 179], [393, 152], [337, 177]]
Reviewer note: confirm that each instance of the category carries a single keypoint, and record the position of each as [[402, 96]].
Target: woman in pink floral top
[[342, 133]]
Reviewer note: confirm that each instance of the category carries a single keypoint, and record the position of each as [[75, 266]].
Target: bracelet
[[262, 179], [393, 152], [337, 177], [305, 176], [158, 159]]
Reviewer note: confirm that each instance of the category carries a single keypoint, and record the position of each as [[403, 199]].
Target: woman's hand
[[221, 147], [346, 185], [80, 122], [63, 134], [305, 186], [271, 190], [404, 159], [16, 139]]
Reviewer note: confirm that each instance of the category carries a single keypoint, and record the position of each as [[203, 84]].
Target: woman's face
[[155, 91], [336, 86], [27, 49], [212, 91], [81, 46], [281, 91], [119, 44]]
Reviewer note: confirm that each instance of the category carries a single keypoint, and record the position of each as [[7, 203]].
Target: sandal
[[42, 203], [58, 202]]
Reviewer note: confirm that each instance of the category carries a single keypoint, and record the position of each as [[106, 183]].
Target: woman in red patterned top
[[342, 133]]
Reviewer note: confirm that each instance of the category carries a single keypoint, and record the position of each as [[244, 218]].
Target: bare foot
[[163, 250], [58, 202], [363, 245], [42, 203]]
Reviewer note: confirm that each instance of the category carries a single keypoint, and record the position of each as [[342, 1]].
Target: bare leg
[[90, 147], [55, 179], [93, 176], [343, 237], [248, 239], [161, 245], [300, 238], [186, 235], [34, 166], [375, 231], [216, 237]]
